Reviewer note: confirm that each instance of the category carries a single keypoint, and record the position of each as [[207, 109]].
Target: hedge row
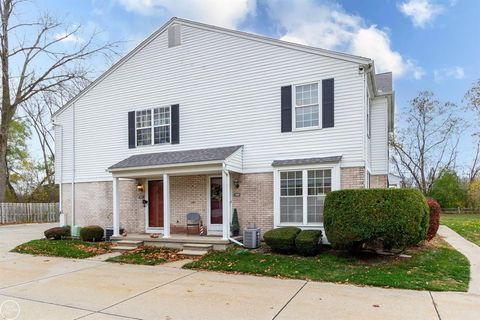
[[396, 218], [88, 233], [293, 239]]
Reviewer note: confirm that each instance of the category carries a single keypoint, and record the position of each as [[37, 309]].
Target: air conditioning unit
[[251, 237]]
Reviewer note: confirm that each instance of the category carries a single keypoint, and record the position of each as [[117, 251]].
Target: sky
[[427, 44]]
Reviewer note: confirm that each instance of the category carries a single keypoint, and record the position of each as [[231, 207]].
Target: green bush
[[282, 239], [235, 228], [91, 233], [57, 233], [308, 242], [395, 218]]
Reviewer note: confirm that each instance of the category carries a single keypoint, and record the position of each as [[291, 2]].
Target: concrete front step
[[130, 243], [197, 247], [196, 253], [123, 248]]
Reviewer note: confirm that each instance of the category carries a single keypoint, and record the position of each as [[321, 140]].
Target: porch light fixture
[[236, 183], [140, 187]]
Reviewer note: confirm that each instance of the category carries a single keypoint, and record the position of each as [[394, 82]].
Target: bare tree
[[39, 110], [427, 144], [38, 61], [472, 99]]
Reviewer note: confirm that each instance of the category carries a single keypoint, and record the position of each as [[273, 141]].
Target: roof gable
[[240, 34]]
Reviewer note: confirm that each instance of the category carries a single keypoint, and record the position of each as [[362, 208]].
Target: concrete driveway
[[57, 288]]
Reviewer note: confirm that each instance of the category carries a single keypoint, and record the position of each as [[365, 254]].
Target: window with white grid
[[144, 127], [291, 196], [306, 106], [302, 195], [153, 126], [319, 184]]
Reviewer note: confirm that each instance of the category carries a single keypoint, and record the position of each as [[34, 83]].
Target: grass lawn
[[63, 248], [147, 255], [435, 266], [466, 225]]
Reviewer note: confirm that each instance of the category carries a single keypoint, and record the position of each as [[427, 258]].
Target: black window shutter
[[286, 97], [328, 111], [175, 114], [131, 129]]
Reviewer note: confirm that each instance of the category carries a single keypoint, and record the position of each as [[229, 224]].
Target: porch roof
[[175, 157], [289, 162]]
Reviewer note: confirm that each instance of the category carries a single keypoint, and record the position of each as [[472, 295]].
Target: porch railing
[[28, 212]]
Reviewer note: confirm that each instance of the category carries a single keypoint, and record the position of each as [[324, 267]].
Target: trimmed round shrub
[[395, 218], [92, 233], [308, 242], [282, 239], [435, 211], [57, 233]]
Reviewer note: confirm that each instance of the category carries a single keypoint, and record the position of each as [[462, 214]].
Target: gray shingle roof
[[175, 157], [278, 163], [384, 82]]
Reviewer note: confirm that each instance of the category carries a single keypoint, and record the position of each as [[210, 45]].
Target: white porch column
[[166, 206], [225, 204], [116, 207]]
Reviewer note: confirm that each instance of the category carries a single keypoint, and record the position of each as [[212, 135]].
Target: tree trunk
[[3, 166]]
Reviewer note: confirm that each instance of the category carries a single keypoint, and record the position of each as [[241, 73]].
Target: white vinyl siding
[[228, 89], [379, 136]]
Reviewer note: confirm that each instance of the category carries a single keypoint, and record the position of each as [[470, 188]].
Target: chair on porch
[[193, 221]]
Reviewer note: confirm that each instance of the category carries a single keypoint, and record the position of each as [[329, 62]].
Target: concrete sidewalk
[[58, 288], [469, 250]]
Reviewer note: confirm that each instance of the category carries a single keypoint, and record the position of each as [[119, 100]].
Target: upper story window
[[306, 110], [152, 126]]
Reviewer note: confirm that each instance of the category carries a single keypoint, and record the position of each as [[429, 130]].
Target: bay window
[[302, 195]]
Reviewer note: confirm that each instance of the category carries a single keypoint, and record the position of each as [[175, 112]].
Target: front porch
[[172, 184], [178, 241]]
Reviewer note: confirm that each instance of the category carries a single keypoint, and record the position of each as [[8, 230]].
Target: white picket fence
[[28, 212]]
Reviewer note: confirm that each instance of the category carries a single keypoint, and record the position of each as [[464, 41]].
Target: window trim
[[335, 167], [294, 105], [152, 126]]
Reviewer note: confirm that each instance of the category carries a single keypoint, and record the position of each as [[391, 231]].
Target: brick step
[[195, 253], [129, 243], [197, 247]]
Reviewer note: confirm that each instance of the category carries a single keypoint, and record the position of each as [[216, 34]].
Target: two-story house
[[204, 119]]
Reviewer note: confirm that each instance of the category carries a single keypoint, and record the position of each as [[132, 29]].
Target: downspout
[[73, 165], [60, 191], [367, 70], [230, 205]]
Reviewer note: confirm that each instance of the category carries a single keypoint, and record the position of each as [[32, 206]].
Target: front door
[[155, 204], [215, 204]]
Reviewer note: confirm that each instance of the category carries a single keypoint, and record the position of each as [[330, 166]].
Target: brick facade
[[379, 181], [93, 205], [253, 200], [352, 178], [187, 194], [93, 202]]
